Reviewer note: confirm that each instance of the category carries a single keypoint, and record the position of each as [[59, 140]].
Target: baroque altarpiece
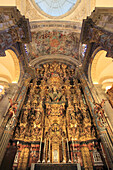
[[55, 124]]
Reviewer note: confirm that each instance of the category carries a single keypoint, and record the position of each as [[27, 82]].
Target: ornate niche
[[55, 121]]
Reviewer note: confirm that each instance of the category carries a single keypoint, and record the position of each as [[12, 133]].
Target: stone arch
[[55, 57], [100, 69], [9, 69]]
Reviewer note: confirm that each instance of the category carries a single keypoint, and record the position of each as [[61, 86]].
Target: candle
[[40, 144], [73, 144]]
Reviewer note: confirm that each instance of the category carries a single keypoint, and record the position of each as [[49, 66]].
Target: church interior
[[56, 84]]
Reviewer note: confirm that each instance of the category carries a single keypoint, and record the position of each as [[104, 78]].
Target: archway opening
[[9, 70], [101, 70]]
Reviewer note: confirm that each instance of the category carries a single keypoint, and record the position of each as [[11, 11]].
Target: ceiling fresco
[[54, 42]]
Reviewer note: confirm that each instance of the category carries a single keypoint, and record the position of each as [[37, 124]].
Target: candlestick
[[68, 151], [44, 152], [63, 151], [40, 151]]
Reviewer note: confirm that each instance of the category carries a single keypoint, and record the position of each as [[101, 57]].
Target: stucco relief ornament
[[11, 114], [99, 112]]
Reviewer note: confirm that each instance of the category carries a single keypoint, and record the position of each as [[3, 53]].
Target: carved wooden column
[[102, 130]]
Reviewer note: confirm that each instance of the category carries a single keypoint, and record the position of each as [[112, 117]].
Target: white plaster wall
[[99, 3], [104, 3], [7, 2]]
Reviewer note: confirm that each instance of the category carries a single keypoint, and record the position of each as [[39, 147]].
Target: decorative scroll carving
[[99, 112]]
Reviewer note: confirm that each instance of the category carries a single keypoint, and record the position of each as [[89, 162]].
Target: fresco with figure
[[55, 124], [54, 42]]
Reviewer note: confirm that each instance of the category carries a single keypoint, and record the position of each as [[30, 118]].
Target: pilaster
[[105, 131], [9, 128]]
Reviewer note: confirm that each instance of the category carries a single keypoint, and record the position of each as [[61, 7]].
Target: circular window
[[55, 7]]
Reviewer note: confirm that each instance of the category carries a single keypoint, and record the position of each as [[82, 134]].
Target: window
[[55, 7]]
